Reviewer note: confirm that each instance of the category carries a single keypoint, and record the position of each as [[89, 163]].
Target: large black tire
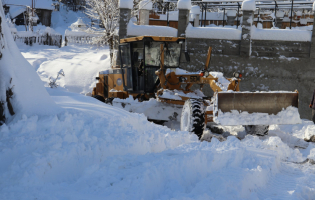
[[259, 130], [193, 117], [100, 98]]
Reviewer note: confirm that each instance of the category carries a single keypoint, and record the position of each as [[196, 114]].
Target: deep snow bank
[[30, 97], [81, 64], [95, 151]]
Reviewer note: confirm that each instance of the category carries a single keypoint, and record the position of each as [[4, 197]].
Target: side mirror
[[187, 56]]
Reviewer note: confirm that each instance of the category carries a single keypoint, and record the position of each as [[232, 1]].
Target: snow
[[179, 71], [289, 115], [313, 6], [128, 4], [222, 82], [30, 95], [280, 14], [81, 64], [152, 109], [177, 94], [184, 4], [231, 13], [119, 155], [14, 11], [281, 34], [309, 132], [42, 4], [195, 10], [149, 30], [213, 32], [249, 5], [91, 150], [145, 4]]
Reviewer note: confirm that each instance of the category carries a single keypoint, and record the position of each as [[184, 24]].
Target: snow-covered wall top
[[126, 4], [281, 34], [147, 30], [249, 5], [43, 4], [195, 9], [30, 96], [213, 32], [145, 4], [184, 4], [173, 15]]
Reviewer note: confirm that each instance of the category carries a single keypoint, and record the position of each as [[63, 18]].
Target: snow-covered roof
[[148, 30], [14, 11], [39, 4]]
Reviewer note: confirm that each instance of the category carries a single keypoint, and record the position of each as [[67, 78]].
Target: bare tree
[[107, 12]]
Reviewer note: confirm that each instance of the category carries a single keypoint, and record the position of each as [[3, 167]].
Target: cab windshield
[[171, 54]]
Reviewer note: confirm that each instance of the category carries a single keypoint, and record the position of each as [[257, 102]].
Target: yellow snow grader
[[149, 81]]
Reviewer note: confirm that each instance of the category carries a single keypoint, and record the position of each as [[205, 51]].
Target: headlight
[[237, 75]]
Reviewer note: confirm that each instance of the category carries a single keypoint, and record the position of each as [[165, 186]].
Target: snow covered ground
[[81, 64], [90, 150]]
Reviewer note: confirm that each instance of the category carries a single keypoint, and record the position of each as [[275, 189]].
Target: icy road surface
[[95, 151]]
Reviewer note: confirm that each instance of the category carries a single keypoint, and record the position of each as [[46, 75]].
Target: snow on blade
[[152, 109], [222, 82], [176, 94], [289, 115]]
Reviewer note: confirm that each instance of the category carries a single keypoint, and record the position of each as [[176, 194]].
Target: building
[[17, 10]]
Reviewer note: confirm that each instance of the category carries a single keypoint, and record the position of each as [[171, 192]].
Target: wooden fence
[[44, 39]]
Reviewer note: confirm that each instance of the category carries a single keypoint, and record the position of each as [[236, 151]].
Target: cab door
[[126, 67]]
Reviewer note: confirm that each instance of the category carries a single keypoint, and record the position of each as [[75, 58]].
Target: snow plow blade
[[256, 108]]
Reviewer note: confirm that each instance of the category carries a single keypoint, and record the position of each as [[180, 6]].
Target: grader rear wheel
[[193, 117], [98, 97]]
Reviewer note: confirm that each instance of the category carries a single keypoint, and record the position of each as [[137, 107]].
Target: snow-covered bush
[[108, 13], [52, 83]]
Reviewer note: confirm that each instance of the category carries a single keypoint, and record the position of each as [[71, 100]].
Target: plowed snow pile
[[95, 151]]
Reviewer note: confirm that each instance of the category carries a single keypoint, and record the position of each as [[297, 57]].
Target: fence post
[[144, 11], [184, 7], [248, 8]]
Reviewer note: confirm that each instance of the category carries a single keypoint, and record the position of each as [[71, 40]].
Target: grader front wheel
[[193, 117]]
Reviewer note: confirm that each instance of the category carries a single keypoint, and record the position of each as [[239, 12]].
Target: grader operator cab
[[149, 70]]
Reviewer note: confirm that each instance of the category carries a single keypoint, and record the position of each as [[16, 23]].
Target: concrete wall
[[263, 74], [225, 47], [271, 48]]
